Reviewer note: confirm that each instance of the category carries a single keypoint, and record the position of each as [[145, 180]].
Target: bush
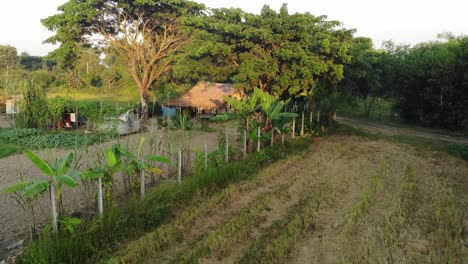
[[32, 113]]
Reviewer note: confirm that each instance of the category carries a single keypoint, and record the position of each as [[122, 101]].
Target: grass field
[[348, 199], [351, 197]]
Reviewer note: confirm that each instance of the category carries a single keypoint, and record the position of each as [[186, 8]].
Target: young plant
[[58, 177], [138, 165], [26, 197]]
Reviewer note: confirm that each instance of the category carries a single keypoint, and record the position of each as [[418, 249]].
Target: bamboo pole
[[245, 144], [179, 171], [100, 199], [272, 142], [227, 149], [206, 156], [142, 181], [294, 128], [53, 208], [258, 139], [302, 125]]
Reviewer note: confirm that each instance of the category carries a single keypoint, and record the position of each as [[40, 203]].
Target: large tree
[[147, 32], [281, 53]]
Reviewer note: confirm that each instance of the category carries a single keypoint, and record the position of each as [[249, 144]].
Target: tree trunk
[[333, 116], [144, 98]]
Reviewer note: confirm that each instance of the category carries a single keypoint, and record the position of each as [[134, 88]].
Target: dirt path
[[390, 130], [14, 221]]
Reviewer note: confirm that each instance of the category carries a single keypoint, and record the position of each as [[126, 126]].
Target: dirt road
[[389, 130]]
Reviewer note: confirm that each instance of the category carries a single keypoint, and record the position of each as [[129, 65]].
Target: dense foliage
[[427, 83]]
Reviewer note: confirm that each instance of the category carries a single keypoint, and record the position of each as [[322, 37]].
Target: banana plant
[[58, 177], [244, 108], [104, 174], [138, 165], [23, 194], [273, 109]]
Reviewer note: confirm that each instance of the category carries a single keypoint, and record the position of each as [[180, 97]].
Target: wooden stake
[[258, 139], [100, 199], [318, 116], [294, 128], [311, 117], [302, 125], [54, 208], [282, 139], [245, 144], [227, 149], [272, 142], [142, 181], [179, 171], [206, 156]]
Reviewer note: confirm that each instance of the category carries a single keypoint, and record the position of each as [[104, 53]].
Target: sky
[[403, 21]]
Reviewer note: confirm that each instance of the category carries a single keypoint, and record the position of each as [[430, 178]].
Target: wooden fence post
[[245, 144], [272, 142], [258, 139], [227, 149], [142, 180], [294, 128], [179, 171], [206, 156], [53, 207], [302, 125], [100, 198]]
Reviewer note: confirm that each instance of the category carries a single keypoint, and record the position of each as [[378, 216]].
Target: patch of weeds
[[233, 230], [278, 240], [446, 229], [388, 243], [375, 184]]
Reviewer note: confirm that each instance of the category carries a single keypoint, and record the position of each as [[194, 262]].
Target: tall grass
[[99, 238]]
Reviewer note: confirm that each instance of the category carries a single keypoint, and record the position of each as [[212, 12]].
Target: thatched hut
[[205, 98]]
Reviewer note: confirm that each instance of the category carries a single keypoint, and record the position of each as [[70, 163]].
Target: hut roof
[[206, 95]]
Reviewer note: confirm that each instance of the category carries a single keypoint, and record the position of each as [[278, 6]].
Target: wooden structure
[[205, 98]]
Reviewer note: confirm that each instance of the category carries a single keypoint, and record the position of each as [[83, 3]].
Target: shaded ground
[[390, 130], [346, 200]]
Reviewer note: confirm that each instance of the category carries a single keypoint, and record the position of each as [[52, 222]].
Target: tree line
[[159, 47]]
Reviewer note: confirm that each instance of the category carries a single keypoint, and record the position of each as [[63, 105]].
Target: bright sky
[[403, 21]]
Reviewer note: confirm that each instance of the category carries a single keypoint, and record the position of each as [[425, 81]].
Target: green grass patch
[[458, 150], [233, 230], [31, 138], [388, 242], [278, 240], [7, 149], [97, 239], [375, 184]]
